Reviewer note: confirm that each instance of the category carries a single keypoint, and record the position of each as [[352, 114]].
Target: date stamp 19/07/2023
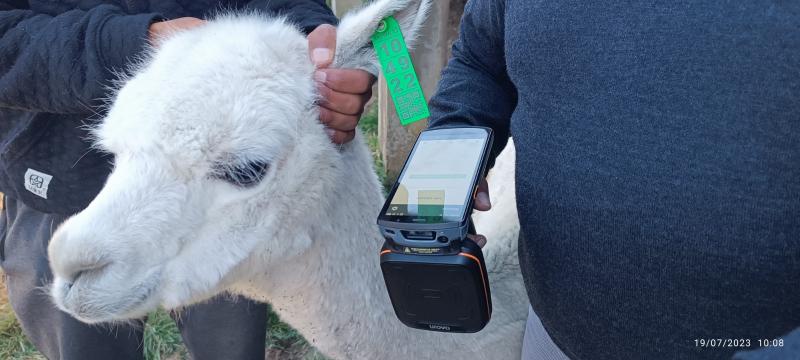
[[737, 343]]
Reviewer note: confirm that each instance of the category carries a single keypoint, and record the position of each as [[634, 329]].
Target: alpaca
[[225, 181]]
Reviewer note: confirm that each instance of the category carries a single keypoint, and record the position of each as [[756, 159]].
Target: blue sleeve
[[307, 14], [64, 64], [475, 88]]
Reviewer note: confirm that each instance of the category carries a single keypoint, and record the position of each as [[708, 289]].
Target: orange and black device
[[436, 275], [440, 293]]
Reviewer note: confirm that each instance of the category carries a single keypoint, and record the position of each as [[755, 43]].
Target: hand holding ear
[[344, 92]]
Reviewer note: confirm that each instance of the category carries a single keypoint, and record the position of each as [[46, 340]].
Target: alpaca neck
[[340, 302], [355, 308]]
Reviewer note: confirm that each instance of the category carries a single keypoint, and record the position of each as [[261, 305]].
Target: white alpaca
[[224, 180]]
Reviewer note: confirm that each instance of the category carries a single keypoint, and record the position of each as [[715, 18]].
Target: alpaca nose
[[74, 278], [73, 256], [81, 271]]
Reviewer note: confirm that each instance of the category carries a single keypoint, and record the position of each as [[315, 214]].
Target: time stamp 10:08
[[742, 342]]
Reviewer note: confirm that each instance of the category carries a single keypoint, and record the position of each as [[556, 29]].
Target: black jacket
[[57, 59]]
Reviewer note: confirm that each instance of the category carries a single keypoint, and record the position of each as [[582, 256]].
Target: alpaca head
[[217, 148]]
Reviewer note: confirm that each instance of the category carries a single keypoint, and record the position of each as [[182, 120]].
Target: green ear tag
[[407, 95]]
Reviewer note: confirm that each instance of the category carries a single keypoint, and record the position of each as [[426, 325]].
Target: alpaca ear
[[353, 39]]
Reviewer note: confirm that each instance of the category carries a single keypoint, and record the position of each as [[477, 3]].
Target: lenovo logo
[[439, 327]]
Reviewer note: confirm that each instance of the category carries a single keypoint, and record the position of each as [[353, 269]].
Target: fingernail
[[484, 198], [321, 56], [330, 132], [320, 76]]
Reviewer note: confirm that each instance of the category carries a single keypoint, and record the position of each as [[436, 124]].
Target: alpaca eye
[[242, 175]]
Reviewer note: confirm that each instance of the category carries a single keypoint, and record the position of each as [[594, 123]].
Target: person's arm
[[64, 63], [307, 14], [475, 88]]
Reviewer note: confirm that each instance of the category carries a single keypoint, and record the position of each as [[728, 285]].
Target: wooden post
[[429, 57], [340, 7]]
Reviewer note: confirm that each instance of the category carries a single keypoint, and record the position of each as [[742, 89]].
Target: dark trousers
[[224, 328]]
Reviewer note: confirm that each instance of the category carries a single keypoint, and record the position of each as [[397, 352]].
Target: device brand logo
[[438, 327], [37, 182]]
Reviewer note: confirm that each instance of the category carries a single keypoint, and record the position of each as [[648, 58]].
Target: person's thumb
[[478, 239], [482, 201], [322, 45]]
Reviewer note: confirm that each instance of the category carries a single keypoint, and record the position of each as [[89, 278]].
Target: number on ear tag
[[407, 95]]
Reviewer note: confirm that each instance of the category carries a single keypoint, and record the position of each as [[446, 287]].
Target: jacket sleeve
[[64, 63], [306, 14], [475, 88]]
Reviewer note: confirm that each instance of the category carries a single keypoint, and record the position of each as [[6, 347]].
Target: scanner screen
[[436, 183]]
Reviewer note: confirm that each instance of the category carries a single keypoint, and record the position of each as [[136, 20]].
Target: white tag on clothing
[[37, 182]]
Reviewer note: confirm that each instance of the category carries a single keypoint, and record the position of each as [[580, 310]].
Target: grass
[[13, 343], [284, 342], [161, 337]]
